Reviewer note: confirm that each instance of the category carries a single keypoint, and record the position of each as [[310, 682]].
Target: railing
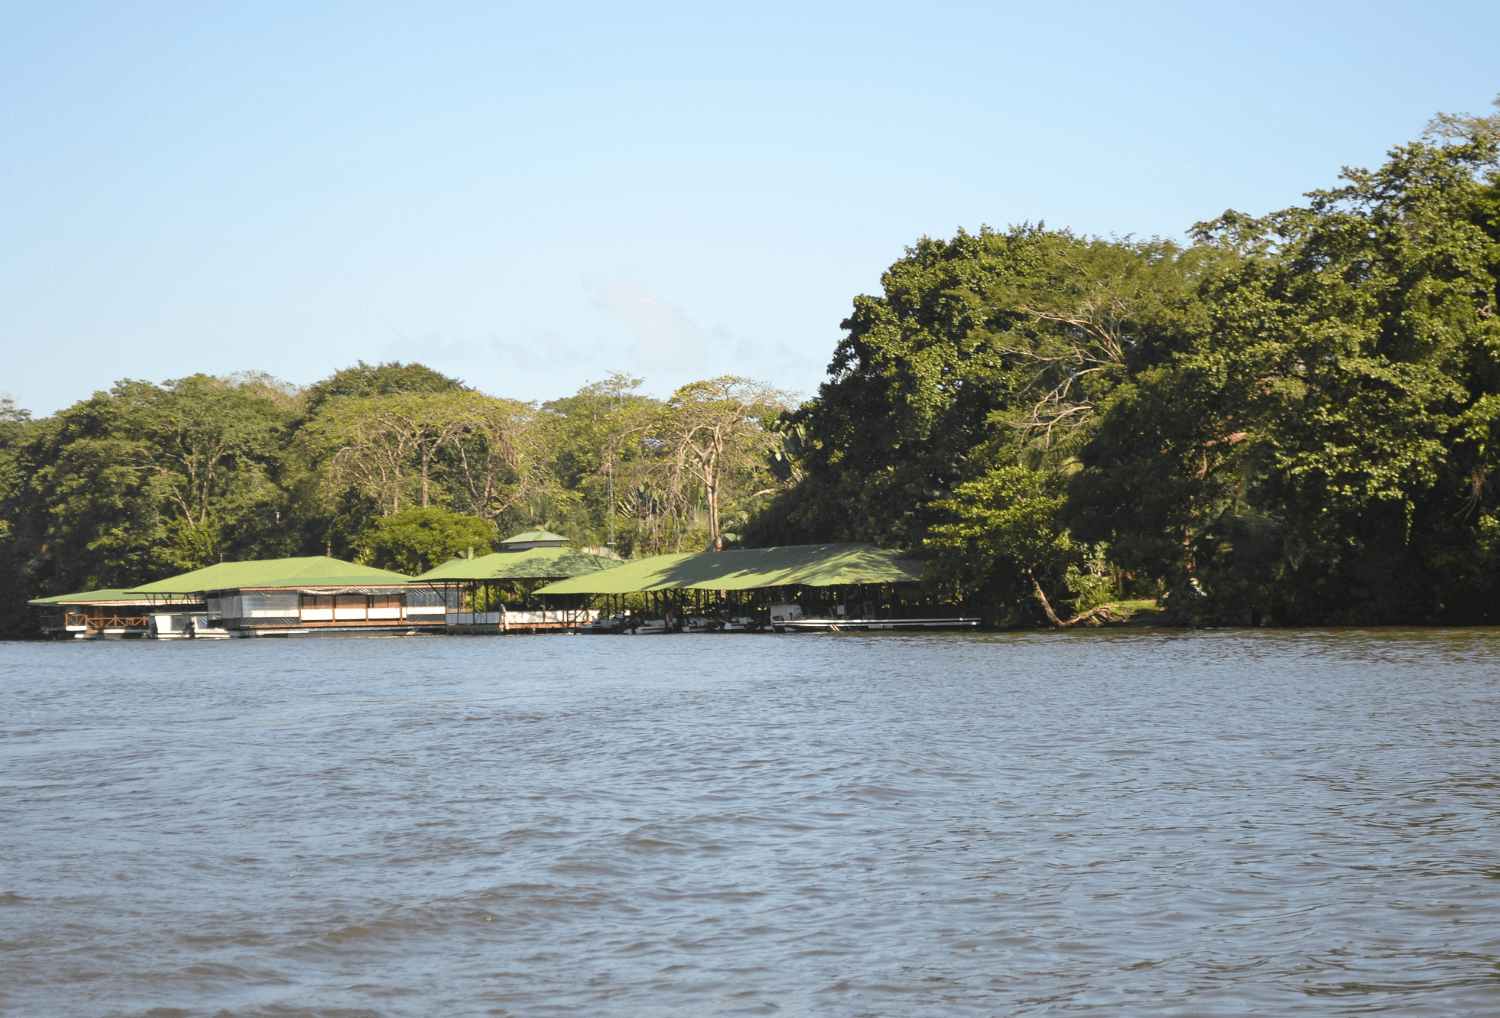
[[97, 622], [82, 622]]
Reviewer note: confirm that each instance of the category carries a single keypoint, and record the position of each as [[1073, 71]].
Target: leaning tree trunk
[[1103, 610]]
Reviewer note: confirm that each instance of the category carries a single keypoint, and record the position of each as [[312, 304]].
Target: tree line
[[394, 465], [1290, 419]]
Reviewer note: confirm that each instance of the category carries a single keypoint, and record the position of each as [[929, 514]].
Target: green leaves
[[393, 462], [1293, 419], [146, 479], [1353, 355], [415, 540], [988, 349], [1009, 517], [714, 437]]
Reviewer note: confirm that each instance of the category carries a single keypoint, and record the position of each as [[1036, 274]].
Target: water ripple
[[1125, 823]]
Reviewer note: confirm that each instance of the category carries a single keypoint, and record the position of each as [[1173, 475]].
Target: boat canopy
[[805, 565]]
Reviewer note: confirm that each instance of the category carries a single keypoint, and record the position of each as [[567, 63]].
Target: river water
[[1122, 823]]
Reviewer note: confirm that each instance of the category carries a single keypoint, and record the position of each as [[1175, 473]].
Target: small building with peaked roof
[[495, 590], [533, 539]]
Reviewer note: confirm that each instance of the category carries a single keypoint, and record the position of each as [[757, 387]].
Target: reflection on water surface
[[1133, 823]]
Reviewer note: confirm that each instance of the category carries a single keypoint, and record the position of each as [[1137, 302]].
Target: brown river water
[[1118, 823]]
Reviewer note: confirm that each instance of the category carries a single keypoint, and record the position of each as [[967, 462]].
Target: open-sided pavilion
[[113, 613], [494, 593], [823, 580]]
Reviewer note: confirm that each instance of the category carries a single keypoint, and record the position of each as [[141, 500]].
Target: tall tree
[[715, 435], [20, 537], [1324, 456], [387, 446], [207, 444], [595, 453], [145, 480], [365, 380], [981, 351], [415, 540], [396, 448]]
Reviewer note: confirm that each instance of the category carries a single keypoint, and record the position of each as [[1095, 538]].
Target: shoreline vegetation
[[1287, 420]]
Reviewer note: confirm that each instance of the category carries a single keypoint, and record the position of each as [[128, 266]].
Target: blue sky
[[530, 196]]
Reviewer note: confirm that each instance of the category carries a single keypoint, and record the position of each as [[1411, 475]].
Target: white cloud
[[646, 335], [665, 335]]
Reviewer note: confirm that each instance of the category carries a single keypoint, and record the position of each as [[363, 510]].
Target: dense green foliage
[[393, 465], [415, 540], [1292, 420]]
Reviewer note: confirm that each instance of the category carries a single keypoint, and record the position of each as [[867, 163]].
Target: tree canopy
[[392, 465], [415, 540], [1291, 419]]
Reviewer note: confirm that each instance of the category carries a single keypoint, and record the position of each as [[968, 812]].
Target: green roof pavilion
[[803, 565], [314, 571], [110, 596], [530, 555], [533, 539], [531, 564]]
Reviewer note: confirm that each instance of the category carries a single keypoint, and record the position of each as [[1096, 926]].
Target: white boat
[[807, 624], [203, 631], [619, 622], [781, 614], [789, 618], [167, 626]]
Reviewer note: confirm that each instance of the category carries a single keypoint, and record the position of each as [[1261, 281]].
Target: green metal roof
[[527, 536], [87, 597], [312, 571], [531, 564], [801, 565]]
